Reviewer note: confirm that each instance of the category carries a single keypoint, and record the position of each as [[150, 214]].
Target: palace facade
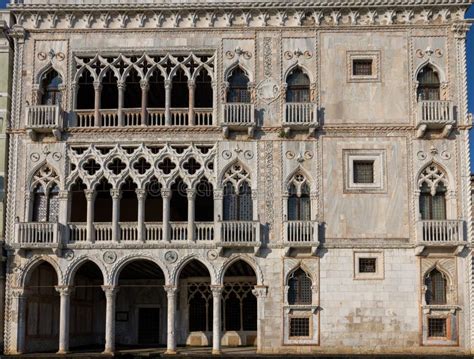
[[292, 176]]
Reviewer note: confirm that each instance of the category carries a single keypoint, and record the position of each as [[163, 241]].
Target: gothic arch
[[228, 167], [446, 177], [44, 70], [300, 265], [46, 181], [235, 65], [181, 264], [115, 272], [436, 68], [235, 258], [304, 172], [303, 69], [31, 265], [445, 272], [76, 265]]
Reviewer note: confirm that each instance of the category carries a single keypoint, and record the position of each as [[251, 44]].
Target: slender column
[[171, 339], [64, 307], [144, 86], [19, 297], [191, 90], [116, 195], [141, 196], [121, 91], [97, 92], [90, 198], [214, 102], [191, 194], [216, 318], [166, 195], [260, 291], [110, 294], [168, 85], [63, 216], [218, 199]]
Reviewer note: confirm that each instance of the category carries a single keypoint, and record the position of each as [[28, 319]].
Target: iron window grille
[[299, 327], [362, 67], [363, 172], [437, 327], [299, 291], [367, 265]]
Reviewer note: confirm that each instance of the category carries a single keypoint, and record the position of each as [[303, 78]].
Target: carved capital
[[63, 195], [97, 85], [144, 85], [170, 290], [217, 290], [460, 30], [115, 193], [168, 84], [18, 34], [260, 291], [141, 194], [110, 290], [191, 84], [64, 290], [19, 293], [165, 193], [191, 193], [90, 194]]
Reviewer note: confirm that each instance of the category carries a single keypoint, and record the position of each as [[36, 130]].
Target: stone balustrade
[[37, 235], [301, 234], [442, 232], [435, 115], [297, 114], [238, 114], [44, 119], [240, 234]]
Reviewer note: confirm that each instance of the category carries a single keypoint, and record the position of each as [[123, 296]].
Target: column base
[[216, 352], [62, 352], [170, 352], [108, 352]]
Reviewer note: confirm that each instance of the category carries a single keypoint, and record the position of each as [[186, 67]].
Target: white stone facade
[[329, 214]]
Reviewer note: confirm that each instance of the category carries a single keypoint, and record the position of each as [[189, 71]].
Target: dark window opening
[[363, 172], [433, 206], [156, 90], [299, 291], [367, 265], [179, 201], [238, 206], [238, 87], [133, 90], [103, 202], [204, 205], [298, 89], [435, 287], [437, 327], [249, 305], [180, 90], [299, 327], [78, 202], [198, 315], [109, 93], [50, 87], [45, 205], [428, 85], [153, 202], [299, 205], [128, 201], [362, 67], [203, 92], [85, 97], [232, 312]]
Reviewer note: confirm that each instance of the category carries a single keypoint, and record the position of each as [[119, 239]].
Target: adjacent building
[[289, 175]]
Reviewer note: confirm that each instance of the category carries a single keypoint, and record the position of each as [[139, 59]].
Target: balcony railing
[[240, 234], [77, 232], [204, 231], [44, 119], [37, 235], [435, 115], [440, 232], [238, 114], [301, 234], [300, 114]]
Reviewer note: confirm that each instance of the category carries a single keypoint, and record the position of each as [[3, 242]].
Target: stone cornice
[[238, 16]]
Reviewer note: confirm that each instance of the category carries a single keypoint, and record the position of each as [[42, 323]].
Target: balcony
[[237, 116], [238, 234], [300, 116], [301, 234], [440, 233], [435, 115], [37, 235], [44, 119]]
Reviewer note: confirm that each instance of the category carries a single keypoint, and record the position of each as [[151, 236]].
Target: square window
[[367, 265], [363, 172], [437, 327], [362, 67], [299, 327]]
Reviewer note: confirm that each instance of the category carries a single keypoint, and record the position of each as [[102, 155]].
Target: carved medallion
[[212, 254], [109, 257], [171, 256], [68, 255], [268, 90]]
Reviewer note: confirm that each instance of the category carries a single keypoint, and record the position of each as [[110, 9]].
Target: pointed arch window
[[436, 284], [299, 203], [298, 89], [45, 201], [428, 85], [238, 204], [238, 87], [432, 184], [299, 288], [51, 83]]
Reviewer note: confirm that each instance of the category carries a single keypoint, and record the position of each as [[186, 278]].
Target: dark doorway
[[148, 325]]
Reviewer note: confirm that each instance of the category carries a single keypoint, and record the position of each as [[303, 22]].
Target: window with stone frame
[[428, 84], [298, 86], [238, 205], [299, 202], [362, 67], [363, 171], [238, 91], [432, 198], [299, 327], [436, 285], [437, 328], [299, 288], [51, 83], [200, 307], [45, 204], [367, 265]]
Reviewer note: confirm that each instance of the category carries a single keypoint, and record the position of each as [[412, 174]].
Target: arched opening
[[428, 84], [436, 285], [180, 90], [299, 288], [204, 205], [78, 206], [156, 90], [179, 201], [298, 86], [141, 305], [133, 91], [109, 93], [153, 201], [239, 307], [87, 308], [103, 202], [238, 91], [51, 83], [85, 92], [195, 280], [299, 204], [42, 310], [433, 205], [128, 201], [203, 91], [45, 203], [238, 202]]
